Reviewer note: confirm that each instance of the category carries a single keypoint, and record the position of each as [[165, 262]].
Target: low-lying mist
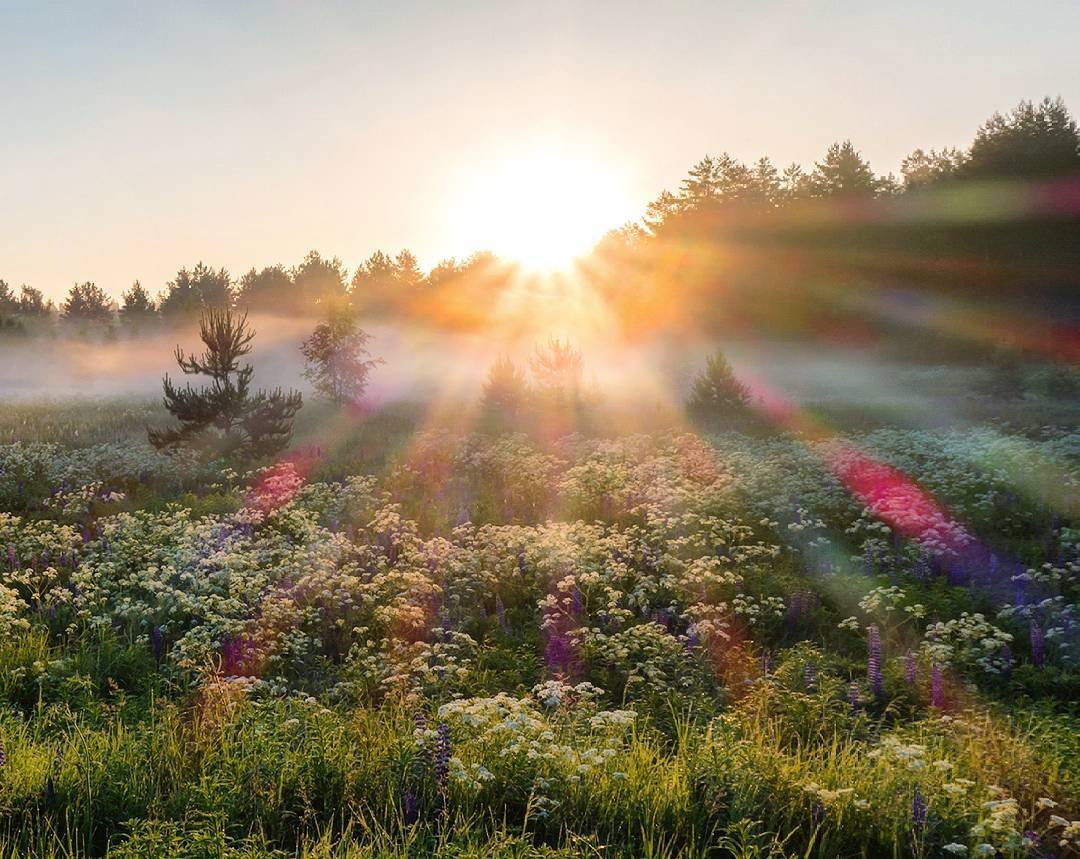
[[424, 363]]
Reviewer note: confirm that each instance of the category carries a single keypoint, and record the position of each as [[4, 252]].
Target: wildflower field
[[643, 644]]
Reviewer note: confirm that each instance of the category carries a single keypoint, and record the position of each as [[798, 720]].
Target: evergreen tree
[[1031, 141], [137, 307], [505, 394], [87, 302], [318, 282], [923, 169], [9, 304], [192, 291], [271, 289], [842, 172], [557, 368], [32, 302], [225, 418], [407, 271], [338, 362], [716, 393]]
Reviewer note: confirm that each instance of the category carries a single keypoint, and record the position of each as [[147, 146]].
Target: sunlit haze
[[139, 137]]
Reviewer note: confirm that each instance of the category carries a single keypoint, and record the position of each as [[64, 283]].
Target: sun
[[540, 206]]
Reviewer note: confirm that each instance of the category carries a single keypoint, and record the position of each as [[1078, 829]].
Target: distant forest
[[835, 248]]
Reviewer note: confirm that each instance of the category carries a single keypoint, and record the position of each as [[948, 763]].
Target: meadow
[[412, 637]]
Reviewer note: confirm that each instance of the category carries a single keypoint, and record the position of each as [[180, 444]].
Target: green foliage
[[1031, 141], [338, 362], [87, 302], [717, 395], [505, 395], [195, 290], [225, 418]]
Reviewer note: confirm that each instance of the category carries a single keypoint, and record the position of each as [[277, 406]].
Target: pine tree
[[557, 368], [505, 393], [716, 393], [87, 302], [225, 418], [138, 307]]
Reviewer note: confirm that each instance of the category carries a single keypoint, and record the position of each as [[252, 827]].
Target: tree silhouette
[[1031, 141], [557, 368], [9, 304], [318, 281], [842, 172], [225, 418], [137, 307], [922, 169], [716, 393], [87, 302], [269, 289], [32, 302], [194, 290], [338, 362], [505, 393], [407, 271]]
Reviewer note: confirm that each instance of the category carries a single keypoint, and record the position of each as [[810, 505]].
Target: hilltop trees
[[338, 362], [137, 308], [87, 302], [271, 289], [843, 172], [191, 291], [1032, 141], [225, 418], [32, 303], [318, 282]]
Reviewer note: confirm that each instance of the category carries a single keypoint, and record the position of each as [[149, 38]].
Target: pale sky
[[136, 137]]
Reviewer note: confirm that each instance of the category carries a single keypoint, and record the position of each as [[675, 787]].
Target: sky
[[136, 137]]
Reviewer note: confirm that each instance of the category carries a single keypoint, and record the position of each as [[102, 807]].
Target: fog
[[423, 363]]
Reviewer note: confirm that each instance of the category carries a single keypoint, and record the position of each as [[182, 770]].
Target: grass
[[604, 657]]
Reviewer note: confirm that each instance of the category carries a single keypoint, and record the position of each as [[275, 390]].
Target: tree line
[[839, 214]]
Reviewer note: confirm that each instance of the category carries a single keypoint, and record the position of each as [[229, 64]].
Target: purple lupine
[[1038, 645], [922, 569], [918, 809], [13, 558], [576, 603], [817, 814], [692, 640], [157, 642], [500, 613], [442, 755], [873, 661], [810, 675], [911, 668], [937, 687], [766, 663], [559, 652], [853, 696], [3, 753], [410, 808]]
